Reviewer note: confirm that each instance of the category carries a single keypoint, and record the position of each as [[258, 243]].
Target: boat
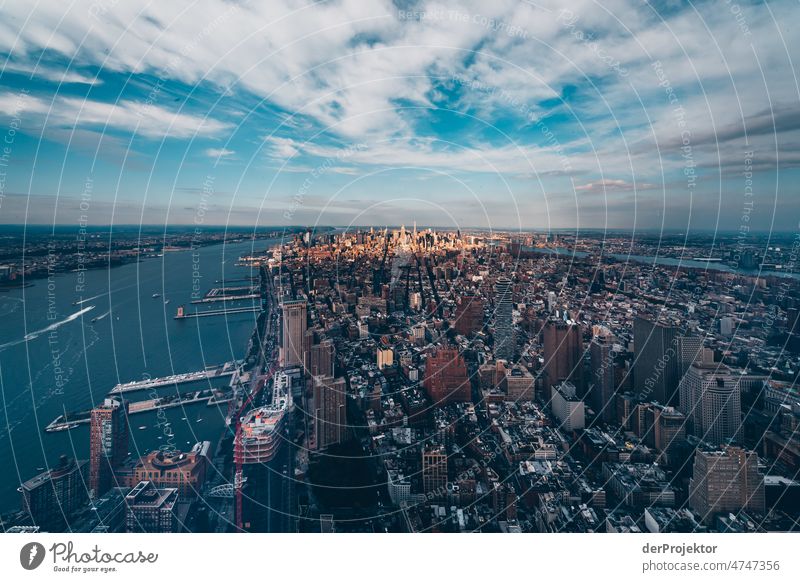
[[166, 301], [142, 427], [156, 295]]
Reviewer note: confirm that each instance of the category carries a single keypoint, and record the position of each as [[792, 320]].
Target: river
[[54, 358]]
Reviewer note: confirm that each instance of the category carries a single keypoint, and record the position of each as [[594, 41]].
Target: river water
[[54, 358]]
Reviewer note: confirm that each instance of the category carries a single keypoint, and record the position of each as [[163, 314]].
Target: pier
[[212, 312], [209, 396], [229, 294], [218, 372]]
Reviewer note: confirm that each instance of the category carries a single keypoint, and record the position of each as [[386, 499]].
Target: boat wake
[[34, 334]]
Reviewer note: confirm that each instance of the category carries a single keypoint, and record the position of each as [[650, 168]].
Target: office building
[[108, 444], [150, 509], [385, 358], [567, 407], [603, 385], [656, 367], [724, 481], [330, 411], [669, 428], [504, 339], [446, 378], [434, 470], [519, 384], [322, 358], [469, 315], [562, 353], [294, 332], [52, 497], [710, 397]]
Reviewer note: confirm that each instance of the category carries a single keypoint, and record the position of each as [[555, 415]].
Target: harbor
[[210, 396], [227, 369], [229, 294], [182, 314]]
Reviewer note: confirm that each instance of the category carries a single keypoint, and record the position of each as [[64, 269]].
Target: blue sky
[[613, 114]]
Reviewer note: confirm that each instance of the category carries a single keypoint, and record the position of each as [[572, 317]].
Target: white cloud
[[608, 185], [144, 119], [51, 74], [219, 153]]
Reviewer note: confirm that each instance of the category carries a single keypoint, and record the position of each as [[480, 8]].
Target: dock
[[209, 395], [212, 312], [208, 374], [240, 293]]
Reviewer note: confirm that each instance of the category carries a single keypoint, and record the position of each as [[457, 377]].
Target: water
[[54, 359], [664, 261], [692, 264]]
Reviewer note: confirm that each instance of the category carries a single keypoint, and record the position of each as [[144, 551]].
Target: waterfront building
[[108, 444]]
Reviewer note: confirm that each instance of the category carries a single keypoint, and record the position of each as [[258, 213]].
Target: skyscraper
[[563, 353], [322, 358], [669, 427], [108, 444], [434, 470], [469, 315], [294, 332], [51, 497], [504, 341], [710, 397], [656, 367], [726, 481], [567, 407], [446, 378], [330, 413], [603, 385]]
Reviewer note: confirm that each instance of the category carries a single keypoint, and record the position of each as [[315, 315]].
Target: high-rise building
[[669, 428], [519, 384], [504, 340], [726, 480], [690, 350], [108, 444], [601, 351], [294, 332], [469, 315], [563, 353], [434, 470], [330, 411], [567, 407], [151, 509], [322, 358], [385, 358], [446, 378], [656, 367], [52, 497], [710, 397], [726, 326]]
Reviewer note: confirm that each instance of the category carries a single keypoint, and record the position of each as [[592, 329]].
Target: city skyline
[[400, 267]]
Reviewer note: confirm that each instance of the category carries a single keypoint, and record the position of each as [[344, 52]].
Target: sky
[[503, 114]]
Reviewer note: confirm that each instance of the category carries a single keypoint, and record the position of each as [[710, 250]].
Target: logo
[[31, 555]]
